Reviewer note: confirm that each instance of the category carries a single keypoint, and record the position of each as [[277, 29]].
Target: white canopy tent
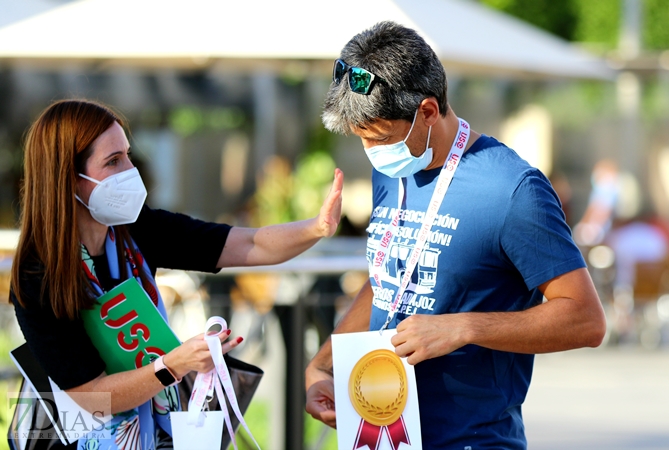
[[468, 37]]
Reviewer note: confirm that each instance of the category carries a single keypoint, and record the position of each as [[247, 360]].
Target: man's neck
[[444, 133]]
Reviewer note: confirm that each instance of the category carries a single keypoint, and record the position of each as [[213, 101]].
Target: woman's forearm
[[127, 390], [134, 387], [268, 245]]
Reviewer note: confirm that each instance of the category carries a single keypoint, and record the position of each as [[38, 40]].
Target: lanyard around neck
[[383, 247]]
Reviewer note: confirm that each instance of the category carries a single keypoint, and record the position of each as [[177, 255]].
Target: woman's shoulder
[[178, 241], [159, 224], [152, 218]]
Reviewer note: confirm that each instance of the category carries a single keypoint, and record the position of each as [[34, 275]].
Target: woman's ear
[[80, 189], [429, 108]]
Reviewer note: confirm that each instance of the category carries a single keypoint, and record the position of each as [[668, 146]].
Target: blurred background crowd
[[239, 139]]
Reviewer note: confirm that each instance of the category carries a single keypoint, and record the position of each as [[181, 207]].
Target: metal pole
[[265, 112], [629, 90], [292, 318], [630, 32]]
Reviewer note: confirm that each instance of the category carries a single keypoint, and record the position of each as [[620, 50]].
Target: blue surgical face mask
[[396, 161]]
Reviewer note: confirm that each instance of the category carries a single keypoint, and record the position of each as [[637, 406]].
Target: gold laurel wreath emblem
[[393, 384]]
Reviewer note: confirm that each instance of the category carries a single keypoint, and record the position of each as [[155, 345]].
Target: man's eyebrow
[[378, 135]]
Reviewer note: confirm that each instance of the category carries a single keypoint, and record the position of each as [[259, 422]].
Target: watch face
[[165, 377]]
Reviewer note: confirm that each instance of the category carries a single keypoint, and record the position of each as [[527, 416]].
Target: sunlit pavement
[[604, 399]]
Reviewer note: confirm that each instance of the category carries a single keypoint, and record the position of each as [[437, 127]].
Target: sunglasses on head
[[359, 80]]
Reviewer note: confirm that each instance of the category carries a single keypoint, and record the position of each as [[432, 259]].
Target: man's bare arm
[[318, 376], [572, 317]]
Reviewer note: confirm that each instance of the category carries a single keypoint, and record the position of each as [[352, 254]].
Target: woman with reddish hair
[[85, 229]]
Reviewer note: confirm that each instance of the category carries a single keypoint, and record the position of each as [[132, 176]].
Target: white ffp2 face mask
[[396, 161], [118, 199]]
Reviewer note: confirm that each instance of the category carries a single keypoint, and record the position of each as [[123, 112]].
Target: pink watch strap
[[159, 364]]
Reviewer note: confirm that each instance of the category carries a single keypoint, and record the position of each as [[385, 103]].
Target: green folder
[[127, 328]]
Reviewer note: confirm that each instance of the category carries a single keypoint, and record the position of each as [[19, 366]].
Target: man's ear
[[429, 109]]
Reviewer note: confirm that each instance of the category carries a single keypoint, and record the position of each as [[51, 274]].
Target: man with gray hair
[[497, 277]]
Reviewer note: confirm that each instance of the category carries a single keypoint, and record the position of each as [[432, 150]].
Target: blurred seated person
[[599, 214], [644, 239]]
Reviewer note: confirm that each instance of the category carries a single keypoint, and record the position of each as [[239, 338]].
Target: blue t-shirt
[[500, 233]]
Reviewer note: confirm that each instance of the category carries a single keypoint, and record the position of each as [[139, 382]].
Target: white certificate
[[375, 394]]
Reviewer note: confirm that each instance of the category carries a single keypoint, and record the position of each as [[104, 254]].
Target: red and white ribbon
[[370, 435], [218, 380]]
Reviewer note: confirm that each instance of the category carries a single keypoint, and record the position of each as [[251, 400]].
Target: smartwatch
[[164, 374]]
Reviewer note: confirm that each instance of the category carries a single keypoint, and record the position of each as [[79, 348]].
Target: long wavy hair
[[57, 146]]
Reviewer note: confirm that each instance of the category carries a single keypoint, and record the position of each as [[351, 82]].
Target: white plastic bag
[[201, 429]]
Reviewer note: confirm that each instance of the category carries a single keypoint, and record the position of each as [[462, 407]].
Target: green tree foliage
[[557, 17], [595, 22], [656, 28], [284, 195]]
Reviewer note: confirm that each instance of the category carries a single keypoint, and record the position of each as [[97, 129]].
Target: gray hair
[[409, 72]]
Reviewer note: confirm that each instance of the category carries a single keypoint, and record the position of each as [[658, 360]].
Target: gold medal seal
[[378, 387]]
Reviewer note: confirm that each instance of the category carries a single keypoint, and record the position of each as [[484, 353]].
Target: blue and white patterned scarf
[[146, 427]]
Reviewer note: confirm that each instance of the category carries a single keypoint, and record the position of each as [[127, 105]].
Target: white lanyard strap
[[384, 244], [205, 382], [226, 415]]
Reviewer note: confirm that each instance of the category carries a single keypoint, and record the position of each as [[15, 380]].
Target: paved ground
[[600, 399]]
